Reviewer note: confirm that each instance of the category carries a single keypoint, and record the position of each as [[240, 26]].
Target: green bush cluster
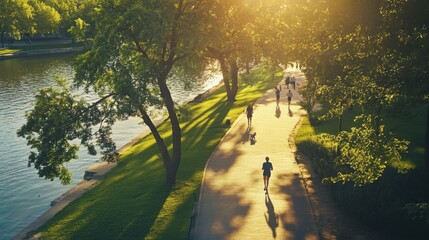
[[397, 204]]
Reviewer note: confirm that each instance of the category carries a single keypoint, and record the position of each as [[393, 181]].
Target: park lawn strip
[[133, 201], [7, 51], [38, 47]]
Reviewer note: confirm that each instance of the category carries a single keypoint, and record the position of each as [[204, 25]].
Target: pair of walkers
[[288, 94], [290, 81]]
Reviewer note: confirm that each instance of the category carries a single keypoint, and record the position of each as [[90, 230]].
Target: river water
[[23, 195]]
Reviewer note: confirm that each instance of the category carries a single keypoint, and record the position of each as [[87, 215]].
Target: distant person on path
[[249, 112], [293, 82], [267, 167], [289, 97], [278, 90], [287, 82]]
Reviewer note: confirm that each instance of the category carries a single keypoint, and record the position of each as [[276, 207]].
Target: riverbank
[[40, 48], [93, 175], [134, 193]]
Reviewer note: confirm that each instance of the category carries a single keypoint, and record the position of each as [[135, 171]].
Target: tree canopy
[[362, 59], [128, 66], [364, 54]]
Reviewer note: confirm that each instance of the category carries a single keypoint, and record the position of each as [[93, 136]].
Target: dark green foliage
[[59, 118], [395, 203], [385, 204]]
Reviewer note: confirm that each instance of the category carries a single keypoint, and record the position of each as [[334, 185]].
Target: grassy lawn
[[37, 47], [406, 127], [133, 202]]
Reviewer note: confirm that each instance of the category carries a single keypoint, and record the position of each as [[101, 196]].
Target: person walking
[[278, 90], [249, 113], [293, 82], [267, 167], [289, 97], [287, 82]]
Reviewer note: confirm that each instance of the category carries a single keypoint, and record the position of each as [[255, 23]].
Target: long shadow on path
[[271, 217], [293, 220]]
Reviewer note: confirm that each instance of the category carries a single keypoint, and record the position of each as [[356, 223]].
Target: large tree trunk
[[226, 75], [234, 79], [427, 140], [159, 140], [176, 157], [227, 72]]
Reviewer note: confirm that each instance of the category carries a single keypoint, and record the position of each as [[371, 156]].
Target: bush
[[385, 204]]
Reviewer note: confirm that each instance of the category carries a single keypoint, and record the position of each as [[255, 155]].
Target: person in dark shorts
[[267, 167], [289, 97], [249, 113], [293, 82], [287, 81], [277, 91]]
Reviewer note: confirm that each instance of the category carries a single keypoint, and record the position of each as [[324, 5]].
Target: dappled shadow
[[211, 118], [226, 158], [298, 220], [223, 215], [271, 217]]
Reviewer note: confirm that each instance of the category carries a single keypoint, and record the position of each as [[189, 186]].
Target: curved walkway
[[233, 204]]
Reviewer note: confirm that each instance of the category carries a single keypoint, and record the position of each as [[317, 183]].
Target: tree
[[15, 15], [231, 39], [72, 10], [68, 10], [136, 47], [78, 31], [46, 18], [354, 65], [364, 152], [409, 27]]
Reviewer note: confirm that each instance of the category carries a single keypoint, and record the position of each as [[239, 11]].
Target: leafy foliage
[[56, 120], [365, 152]]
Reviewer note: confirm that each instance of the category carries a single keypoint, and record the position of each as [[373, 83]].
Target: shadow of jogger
[[271, 217]]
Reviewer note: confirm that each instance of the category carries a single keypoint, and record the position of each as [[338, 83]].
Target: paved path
[[232, 203]]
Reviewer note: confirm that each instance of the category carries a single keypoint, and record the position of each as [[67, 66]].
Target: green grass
[[133, 201], [37, 47], [407, 127], [7, 51]]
